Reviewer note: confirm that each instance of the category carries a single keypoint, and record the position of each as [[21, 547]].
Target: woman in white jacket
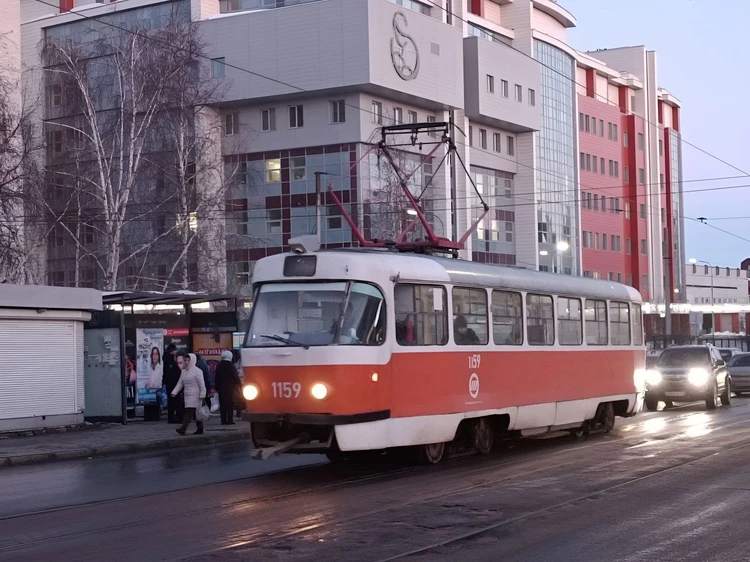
[[191, 383]]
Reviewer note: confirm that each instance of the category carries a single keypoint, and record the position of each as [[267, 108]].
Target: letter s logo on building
[[404, 52], [474, 385]]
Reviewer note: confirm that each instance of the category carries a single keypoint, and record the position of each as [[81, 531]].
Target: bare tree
[[139, 148], [19, 174]]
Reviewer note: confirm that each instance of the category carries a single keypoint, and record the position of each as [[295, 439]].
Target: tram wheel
[[430, 454], [607, 418], [484, 436], [582, 431]]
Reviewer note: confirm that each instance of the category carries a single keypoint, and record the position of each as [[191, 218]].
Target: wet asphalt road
[[671, 485]]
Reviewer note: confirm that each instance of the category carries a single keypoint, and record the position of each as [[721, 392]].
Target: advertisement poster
[[149, 363], [210, 347]]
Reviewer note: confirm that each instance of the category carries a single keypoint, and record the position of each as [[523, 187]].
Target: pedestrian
[[191, 382], [206, 370], [462, 333], [227, 383], [172, 373]]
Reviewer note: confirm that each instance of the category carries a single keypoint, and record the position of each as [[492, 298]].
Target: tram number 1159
[[286, 389], [474, 361]]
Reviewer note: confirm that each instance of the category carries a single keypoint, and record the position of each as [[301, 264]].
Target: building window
[[511, 146], [617, 169], [532, 97], [497, 142], [490, 84], [412, 117], [298, 168], [630, 280], [604, 241], [55, 95], [226, 6], [628, 246], [596, 275], [611, 168], [626, 174], [273, 221], [583, 161], [641, 142], [483, 138], [398, 116], [338, 111], [601, 161], [471, 135], [377, 113], [661, 181], [593, 125], [595, 166], [601, 128], [218, 67], [56, 141], [588, 162], [609, 131], [604, 202], [581, 125], [587, 120], [643, 211], [641, 176], [273, 170], [644, 282], [296, 117], [661, 147], [519, 93], [625, 139], [268, 117], [627, 211], [504, 88], [615, 134], [596, 202], [596, 239], [231, 124], [644, 247]]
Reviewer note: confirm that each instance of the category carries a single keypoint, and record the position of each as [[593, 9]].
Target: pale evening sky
[[702, 50]]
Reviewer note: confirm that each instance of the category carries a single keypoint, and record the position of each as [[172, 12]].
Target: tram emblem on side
[[474, 385]]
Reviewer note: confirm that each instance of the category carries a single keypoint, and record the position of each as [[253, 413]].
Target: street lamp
[[711, 269], [563, 246]]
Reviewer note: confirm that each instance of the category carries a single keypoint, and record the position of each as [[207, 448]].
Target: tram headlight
[[250, 392], [319, 391], [653, 377], [698, 376]]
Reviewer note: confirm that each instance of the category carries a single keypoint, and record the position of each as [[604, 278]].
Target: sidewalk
[[111, 439]]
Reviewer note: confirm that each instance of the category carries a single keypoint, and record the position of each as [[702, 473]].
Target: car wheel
[[726, 397], [668, 404], [651, 403], [712, 401]]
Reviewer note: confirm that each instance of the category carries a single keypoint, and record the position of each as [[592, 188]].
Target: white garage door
[[41, 368]]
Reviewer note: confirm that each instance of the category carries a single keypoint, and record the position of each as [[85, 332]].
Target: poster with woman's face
[[149, 362]]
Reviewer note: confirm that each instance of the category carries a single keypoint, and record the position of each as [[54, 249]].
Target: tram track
[[481, 472]]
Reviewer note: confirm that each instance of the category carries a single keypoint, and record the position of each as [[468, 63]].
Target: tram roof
[[502, 277]]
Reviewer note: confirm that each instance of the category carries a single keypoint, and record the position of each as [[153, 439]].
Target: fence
[[658, 343]]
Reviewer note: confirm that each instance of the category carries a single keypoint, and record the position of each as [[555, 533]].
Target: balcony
[[552, 8], [339, 45], [484, 58]]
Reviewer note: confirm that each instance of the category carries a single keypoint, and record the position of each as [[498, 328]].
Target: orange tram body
[[365, 350]]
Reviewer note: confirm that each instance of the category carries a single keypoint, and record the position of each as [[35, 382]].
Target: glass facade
[[678, 248], [494, 239], [557, 174]]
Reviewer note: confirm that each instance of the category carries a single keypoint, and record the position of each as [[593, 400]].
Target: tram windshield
[[315, 314]]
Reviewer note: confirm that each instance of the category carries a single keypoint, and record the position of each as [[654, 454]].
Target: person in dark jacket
[[203, 366], [227, 383], [175, 404]]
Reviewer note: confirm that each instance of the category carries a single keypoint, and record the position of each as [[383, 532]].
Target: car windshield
[[741, 359], [685, 357], [315, 314]]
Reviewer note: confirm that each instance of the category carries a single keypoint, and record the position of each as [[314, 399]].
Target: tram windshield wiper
[[284, 340]]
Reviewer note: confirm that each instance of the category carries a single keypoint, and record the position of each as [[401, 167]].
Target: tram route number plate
[[674, 394]]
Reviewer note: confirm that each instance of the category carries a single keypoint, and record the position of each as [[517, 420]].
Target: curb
[[123, 448]]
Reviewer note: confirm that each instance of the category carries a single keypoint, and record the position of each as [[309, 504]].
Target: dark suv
[[687, 374]]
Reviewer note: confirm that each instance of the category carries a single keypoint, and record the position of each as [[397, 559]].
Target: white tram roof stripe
[[430, 269]]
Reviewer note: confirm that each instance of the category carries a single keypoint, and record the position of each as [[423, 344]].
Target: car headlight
[[698, 376], [319, 391], [250, 392], [653, 377]]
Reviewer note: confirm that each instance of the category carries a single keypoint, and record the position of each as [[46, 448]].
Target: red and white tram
[[363, 350]]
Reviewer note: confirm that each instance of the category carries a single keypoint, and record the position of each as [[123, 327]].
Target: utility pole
[[318, 204]]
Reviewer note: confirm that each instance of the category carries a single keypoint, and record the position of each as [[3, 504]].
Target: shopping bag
[[202, 413], [214, 403]]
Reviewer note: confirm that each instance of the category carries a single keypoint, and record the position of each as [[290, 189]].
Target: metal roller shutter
[[38, 368]]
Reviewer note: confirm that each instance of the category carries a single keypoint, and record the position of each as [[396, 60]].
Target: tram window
[[421, 314], [507, 318], [596, 322], [637, 325], [569, 322], [470, 316], [540, 321], [619, 322]]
